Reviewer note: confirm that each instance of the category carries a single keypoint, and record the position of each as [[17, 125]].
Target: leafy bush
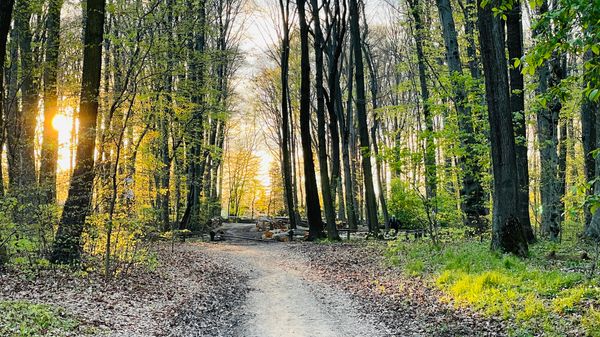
[[26, 319], [406, 205]]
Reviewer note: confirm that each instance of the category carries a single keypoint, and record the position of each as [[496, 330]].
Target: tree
[[6, 9], [67, 242], [22, 122], [361, 114], [286, 159], [514, 42], [472, 193], [313, 209], [49, 154], [507, 232], [429, 151], [326, 189]]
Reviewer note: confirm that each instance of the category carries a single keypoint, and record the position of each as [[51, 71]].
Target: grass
[[540, 295], [25, 319]]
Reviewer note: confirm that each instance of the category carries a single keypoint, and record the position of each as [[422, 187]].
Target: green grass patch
[[539, 294], [25, 319]]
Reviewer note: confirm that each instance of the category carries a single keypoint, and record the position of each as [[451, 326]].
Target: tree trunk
[[195, 170], [374, 128], [313, 209], [514, 42], [430, 167], [346, 124], [471, 192], [68, 238], [285, 115], [49, 154], [24, 155], [6, 9], [507, 232], [328, 198], [589, 113], [549, 75], [361, 114]]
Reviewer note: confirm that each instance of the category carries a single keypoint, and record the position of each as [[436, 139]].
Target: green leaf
[[596, 49], [593, 95]]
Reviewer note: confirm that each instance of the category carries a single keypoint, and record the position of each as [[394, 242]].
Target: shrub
[[406, 205]]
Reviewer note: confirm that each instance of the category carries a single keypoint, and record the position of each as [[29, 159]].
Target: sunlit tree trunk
[[67, 242], [23, 130], [49, 154]]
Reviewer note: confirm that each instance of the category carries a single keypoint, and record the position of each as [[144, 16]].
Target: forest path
[[282, 302]]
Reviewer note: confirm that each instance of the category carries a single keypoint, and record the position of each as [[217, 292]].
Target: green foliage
[[406, 205], [26, 231], [537, 296], [26, 319]]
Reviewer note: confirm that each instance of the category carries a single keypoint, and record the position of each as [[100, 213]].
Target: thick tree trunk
[[313, 209], [328, 198], [549, 76], [589, 113], [67, 243], [507, 232], [49, 154], [514, 42], [6, 9], [25, 123], [361, 114], [195, 162], [471, 192]]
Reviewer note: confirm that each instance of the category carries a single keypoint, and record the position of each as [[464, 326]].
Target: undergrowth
[[545, 295], [24, 319]]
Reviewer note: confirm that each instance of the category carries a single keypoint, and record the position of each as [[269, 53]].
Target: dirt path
[[306, 289], [281, 303]]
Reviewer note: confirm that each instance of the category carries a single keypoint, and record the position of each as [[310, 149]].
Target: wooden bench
[[418, 233], [348, 231]]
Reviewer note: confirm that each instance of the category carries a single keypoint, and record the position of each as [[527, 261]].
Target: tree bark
[[429, 153], [507, 232], [313, 209], [67, 243], [284, 6], [6, 9], [361, 115], [471, 192], [589, 113], [23, 156], [328, 198], [514, 42], [49, 154]]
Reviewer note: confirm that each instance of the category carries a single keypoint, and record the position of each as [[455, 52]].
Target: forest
[[299, 168]]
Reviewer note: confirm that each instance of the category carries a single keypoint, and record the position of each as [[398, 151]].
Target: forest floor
[[245, 288]]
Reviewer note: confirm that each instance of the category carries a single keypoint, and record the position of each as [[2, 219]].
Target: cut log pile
[[276, 229]]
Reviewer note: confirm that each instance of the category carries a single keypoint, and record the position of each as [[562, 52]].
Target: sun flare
[[62, 123]]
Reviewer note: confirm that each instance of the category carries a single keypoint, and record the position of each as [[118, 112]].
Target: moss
[[541, 298], [591, 322]]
